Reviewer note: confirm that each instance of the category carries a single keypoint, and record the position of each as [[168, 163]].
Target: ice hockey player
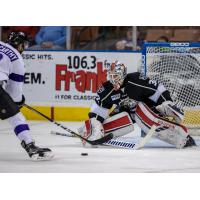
[[11, 94], [127, 91]]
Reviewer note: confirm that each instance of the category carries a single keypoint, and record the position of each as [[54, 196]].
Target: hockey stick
[[94, 142], [112, 142], [62, 134], [121, 144], [146, 139]]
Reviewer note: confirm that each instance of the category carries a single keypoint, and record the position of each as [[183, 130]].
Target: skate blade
[[47, 156]]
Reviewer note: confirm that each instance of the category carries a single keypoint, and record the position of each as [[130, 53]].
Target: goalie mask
[[116, 74]]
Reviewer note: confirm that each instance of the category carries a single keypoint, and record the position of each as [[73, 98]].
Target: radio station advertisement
[[69, 78]]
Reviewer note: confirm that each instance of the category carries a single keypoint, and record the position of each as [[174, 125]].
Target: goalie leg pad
[[167, 131], [8, 108], [119, 125]]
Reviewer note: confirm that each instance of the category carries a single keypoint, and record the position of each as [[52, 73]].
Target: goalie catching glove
[[168, 109]]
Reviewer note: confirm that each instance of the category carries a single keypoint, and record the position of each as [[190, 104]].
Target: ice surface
[[157, 156]]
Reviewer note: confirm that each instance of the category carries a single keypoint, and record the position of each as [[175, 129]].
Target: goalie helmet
[[117, 73], [17, 38]]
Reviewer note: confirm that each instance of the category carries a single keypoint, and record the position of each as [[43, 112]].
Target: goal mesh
[[177, 66]]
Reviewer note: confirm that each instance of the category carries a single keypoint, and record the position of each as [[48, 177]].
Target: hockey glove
[[127, 105], [169, 109]]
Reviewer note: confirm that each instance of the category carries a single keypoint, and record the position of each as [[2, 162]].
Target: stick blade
[[101, 140]]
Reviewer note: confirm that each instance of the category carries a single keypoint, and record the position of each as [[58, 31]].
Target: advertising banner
[[69, 78]]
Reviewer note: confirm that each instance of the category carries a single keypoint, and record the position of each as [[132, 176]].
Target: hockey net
[[177, 66]]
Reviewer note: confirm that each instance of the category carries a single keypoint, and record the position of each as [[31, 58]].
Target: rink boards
[[58, 113], [63, 84]]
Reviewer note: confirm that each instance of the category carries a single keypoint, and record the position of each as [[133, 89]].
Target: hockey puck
[[84, 154]]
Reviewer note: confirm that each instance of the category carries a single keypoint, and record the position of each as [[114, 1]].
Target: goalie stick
[[112, 142], [62, 134], [94, 142], [118, 143], [146, 139]]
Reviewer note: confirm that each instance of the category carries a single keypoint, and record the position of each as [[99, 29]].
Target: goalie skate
[[37, 153]]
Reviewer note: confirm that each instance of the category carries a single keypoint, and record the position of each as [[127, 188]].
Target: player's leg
[[10, 111], [22, 131], [167, 131]]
